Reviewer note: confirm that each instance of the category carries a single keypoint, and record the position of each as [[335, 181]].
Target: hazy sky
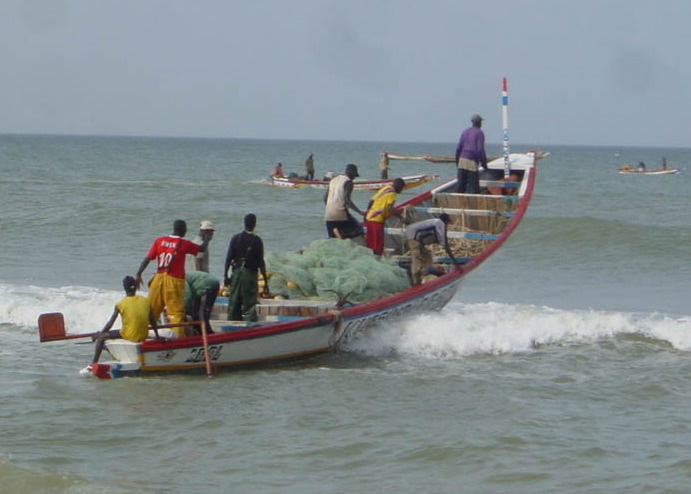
[[585, 72]]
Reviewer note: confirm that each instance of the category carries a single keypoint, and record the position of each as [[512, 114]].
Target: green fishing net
[[330, 268]]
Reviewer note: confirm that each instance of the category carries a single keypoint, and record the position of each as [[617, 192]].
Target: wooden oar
[[51, 327], [207, 358]]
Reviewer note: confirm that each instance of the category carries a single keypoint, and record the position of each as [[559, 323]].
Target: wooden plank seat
[[274, 309], [450, 234], [499, 183], [404, 260], [468, 212]]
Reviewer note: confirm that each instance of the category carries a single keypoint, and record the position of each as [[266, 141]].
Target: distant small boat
[[297, 183], [513, 157], [421, 157], [632, 170]]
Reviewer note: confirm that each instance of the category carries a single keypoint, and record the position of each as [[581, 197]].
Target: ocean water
[[561, 365]]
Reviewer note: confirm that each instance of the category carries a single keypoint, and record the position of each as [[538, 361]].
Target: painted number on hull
[[197, 354]]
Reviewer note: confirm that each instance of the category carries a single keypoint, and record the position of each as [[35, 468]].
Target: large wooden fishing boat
[[291, 328], [301, 327]]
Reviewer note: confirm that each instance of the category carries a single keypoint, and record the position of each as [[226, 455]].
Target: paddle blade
[[51, 327]]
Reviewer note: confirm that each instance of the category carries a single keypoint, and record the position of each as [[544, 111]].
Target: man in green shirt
[[201, 290]]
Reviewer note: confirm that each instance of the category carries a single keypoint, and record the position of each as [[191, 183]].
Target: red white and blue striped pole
[[505, 125]]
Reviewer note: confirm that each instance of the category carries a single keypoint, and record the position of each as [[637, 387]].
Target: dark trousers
[[242, 299], [468, 182]]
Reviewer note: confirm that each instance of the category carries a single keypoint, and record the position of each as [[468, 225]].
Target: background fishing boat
[[640, 169], [628, 170], [451, 159], [298, 183]]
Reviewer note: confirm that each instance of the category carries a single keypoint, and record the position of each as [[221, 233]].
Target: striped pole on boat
[[505, 124]]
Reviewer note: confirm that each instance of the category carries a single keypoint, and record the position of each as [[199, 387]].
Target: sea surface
[[563, 364]]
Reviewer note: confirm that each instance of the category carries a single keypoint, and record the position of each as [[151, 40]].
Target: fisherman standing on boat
[[339, 222], [200, 262], [309, 167], [167, 287], [641, 166], [136, 315], [380, 208], [246, 257], [278, 171], [470, 154], [384, 165], [418, 236]]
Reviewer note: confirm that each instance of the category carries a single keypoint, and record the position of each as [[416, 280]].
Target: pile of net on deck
[[329, 268]]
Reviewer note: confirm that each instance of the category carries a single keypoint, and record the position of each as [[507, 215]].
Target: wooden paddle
[[51, 327], [207, 358]]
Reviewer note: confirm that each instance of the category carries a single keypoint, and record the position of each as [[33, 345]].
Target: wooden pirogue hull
[[297, 183], [292, 329], [668, 171]]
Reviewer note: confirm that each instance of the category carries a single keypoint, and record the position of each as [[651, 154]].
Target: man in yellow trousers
[[167, 288]]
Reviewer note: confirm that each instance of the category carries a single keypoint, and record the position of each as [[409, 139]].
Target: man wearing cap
[[470, 154], [339, 222], [424, 233], [200, 262]]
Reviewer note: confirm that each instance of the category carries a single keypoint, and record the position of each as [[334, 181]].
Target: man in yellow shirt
[[379, 210], [136, 315]]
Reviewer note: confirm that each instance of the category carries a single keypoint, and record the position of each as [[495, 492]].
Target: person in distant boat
[[201, 290], [641, 166], [380, 208], [136, 315], [246, 258], [470, 155], [339, 221], [309, 167], [200, 262], [664, 163], [421, 234], [278, 171], [167, 287], [384, 166]]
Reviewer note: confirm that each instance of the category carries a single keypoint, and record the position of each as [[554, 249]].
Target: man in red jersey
[[167, 288]]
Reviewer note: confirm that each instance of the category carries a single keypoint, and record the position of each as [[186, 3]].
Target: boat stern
[[126, 361]]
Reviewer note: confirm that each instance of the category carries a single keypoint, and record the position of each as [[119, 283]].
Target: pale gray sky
[[590, 72]]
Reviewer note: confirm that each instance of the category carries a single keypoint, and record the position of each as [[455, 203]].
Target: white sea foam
[[85, 309], [458, 330], [494, 328]]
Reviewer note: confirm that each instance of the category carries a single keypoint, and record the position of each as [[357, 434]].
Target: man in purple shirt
[[470, 154]]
